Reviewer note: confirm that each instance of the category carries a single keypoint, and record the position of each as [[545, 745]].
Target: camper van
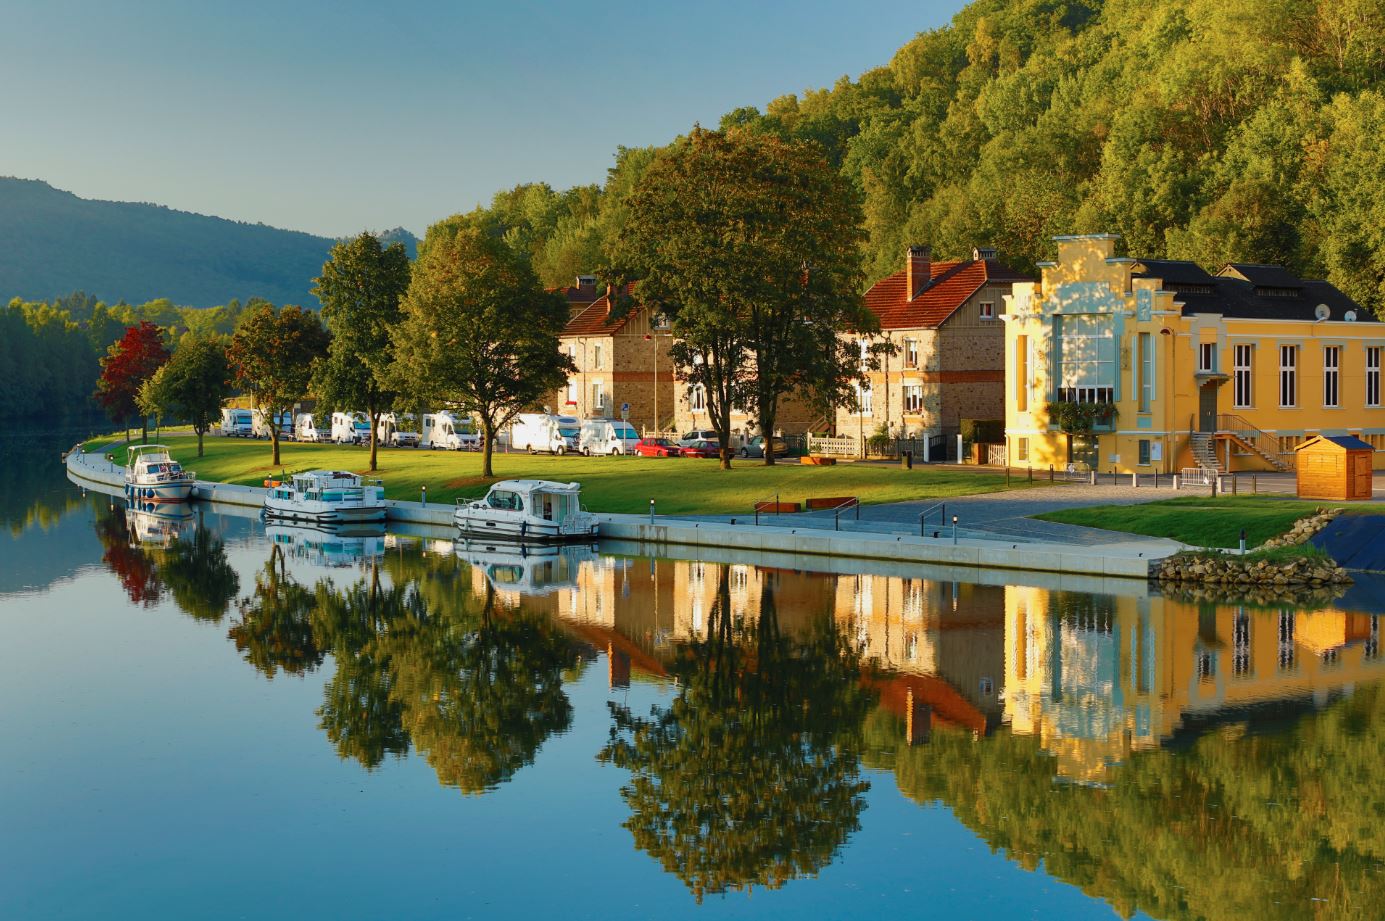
[[237, 423], [449, 431], [351, 428], [259, 421], [535, 432], [399, 430], [306, 428], [607, 436]]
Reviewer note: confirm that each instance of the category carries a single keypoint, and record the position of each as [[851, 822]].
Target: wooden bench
[[829, 502], [818, 461], [778, 508]]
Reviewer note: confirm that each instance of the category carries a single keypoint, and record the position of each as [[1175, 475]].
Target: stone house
[[948, 356]]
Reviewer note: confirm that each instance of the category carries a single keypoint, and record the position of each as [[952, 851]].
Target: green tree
[[752, 245], [360, 288], [198, 575], [275, 629], [196, 382], [272, 356], [478, 331]]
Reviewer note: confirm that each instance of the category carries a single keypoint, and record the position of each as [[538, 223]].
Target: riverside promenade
[[888, 532]]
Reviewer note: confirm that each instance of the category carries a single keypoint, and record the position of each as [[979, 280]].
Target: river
[[205, 717]]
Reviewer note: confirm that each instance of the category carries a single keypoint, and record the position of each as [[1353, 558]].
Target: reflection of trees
[[274, 630], [1243, 823], [199, 576], [751, 775], [132, 565]]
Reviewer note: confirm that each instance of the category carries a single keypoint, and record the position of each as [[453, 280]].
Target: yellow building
[[1172, 367]]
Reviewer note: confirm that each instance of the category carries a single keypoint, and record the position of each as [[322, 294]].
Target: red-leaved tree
[[128, 363]]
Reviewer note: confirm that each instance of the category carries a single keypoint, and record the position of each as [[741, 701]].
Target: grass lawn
[[1198, 520], [609, 484]]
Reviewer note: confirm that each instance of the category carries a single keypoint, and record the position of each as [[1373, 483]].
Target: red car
[[657, 447], [702, 449]]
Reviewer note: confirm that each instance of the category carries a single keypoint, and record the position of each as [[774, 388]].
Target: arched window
[[697, 398]]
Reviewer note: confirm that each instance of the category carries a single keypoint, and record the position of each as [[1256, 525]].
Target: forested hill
[[1213, 130], [55, 243]]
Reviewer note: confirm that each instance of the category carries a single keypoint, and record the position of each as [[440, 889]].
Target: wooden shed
[[1334, 467]]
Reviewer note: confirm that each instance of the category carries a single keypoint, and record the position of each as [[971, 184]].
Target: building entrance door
[[1207, 408]]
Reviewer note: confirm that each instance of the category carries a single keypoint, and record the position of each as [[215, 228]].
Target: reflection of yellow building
[[1099, 676]]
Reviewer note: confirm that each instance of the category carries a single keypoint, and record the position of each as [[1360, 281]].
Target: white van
[[306, 428], [259, 423], [449, 431], [607, 436], [399, 430], [535, 432], [351, 428], [237, 423]]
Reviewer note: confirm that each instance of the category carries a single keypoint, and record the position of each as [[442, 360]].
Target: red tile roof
[[950, 285], [578, 296], [593, 320]]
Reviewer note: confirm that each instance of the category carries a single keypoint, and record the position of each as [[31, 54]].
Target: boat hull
[[358, 514], [479, 527], [159, 492]]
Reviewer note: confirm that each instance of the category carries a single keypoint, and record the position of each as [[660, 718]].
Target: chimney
[[610, 299], [982, 252], [917, 268], [586, 281]]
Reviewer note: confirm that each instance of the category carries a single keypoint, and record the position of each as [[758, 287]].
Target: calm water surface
[[205, 717]]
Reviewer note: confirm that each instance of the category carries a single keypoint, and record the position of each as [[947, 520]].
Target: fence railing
[[833, 446], [1196, 476]]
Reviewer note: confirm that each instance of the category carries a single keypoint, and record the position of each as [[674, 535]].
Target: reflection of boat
[[524, 569], [152, 475], [328, 545], [527, 510], [159, 523], [326, 497]]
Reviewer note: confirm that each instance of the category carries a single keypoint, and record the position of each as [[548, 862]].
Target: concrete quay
[[1117, 558]]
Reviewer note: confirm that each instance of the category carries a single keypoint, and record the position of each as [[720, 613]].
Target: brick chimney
[[918, 265]]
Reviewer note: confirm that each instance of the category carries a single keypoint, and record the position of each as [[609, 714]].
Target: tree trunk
[[274, 438], [200, 431], [767, 414], [488, 437], [374, 438], [144, 428]]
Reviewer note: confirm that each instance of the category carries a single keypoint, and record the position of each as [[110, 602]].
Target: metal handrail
[[1242, 428], [923, 516]]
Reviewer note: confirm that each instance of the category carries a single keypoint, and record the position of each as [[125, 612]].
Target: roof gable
[[950, 285]]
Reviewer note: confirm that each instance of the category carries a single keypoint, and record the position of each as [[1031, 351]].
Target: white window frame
[[598, 392], [913, 399], [865, 399], [697, 398], [1288, 376], [1207, 356], [1331, 376], [987, 310], [596, 356], [911, 353], [1144, 372], [1243, 374], [1373, 376]]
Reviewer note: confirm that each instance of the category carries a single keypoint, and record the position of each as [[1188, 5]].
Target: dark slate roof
[[1348, 442], [1232, 295], [950, 285]]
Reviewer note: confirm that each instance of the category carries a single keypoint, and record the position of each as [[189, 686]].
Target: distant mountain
[[53, 243]]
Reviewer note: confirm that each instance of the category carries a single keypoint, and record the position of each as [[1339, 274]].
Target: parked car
[[698, 435], [702, 448], [657, 447], [755, 447]]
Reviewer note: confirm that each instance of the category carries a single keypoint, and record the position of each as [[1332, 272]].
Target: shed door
[[1207, 408], [1362, 476]]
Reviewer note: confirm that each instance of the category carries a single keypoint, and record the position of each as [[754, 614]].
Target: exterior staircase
[[1205, 451], [1244, 436]]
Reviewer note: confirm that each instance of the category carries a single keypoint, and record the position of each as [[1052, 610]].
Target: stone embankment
[[1232, 571]]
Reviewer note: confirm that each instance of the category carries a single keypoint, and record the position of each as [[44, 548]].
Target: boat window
[[503, 499]]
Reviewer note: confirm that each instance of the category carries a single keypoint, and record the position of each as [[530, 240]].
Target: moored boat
[[159, 524], [152, 475], [325, 496], [538, 511]]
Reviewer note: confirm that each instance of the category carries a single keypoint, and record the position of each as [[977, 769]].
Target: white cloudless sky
[[332, 117]]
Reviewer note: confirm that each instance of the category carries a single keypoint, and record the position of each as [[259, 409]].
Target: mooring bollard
[[1093, 476], [1031, 473], [954, 530], [1050, 473], [1243, 541], [1134, 481], [425, 493]]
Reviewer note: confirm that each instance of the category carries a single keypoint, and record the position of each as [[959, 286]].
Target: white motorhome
[[607, 436], [535, 432], [260, 424], [398, 430], [449, 431], [237, 423], [307, 427], [351, 428]]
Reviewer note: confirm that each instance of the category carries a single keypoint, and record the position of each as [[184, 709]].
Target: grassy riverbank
[[609, 484], [1197, 520]]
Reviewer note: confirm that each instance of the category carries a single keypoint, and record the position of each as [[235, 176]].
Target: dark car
[[702, 449], [657, 447], [755, 447]]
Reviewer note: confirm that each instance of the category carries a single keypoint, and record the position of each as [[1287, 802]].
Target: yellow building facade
[[1171, 367]]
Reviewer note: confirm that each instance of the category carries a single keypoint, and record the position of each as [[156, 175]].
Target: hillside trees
[[272, 355], [360, 288], [752, 245], [478, 332], [127, 365]]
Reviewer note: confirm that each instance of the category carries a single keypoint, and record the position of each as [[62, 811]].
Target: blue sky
[[331, 117]]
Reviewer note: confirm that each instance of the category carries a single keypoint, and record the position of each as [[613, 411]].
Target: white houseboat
[[527, 510], [332, 546], [152, 475], [159, 523], [325, 496]]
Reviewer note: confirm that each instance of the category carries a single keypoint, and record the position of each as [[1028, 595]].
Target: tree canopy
[[272, 355]]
